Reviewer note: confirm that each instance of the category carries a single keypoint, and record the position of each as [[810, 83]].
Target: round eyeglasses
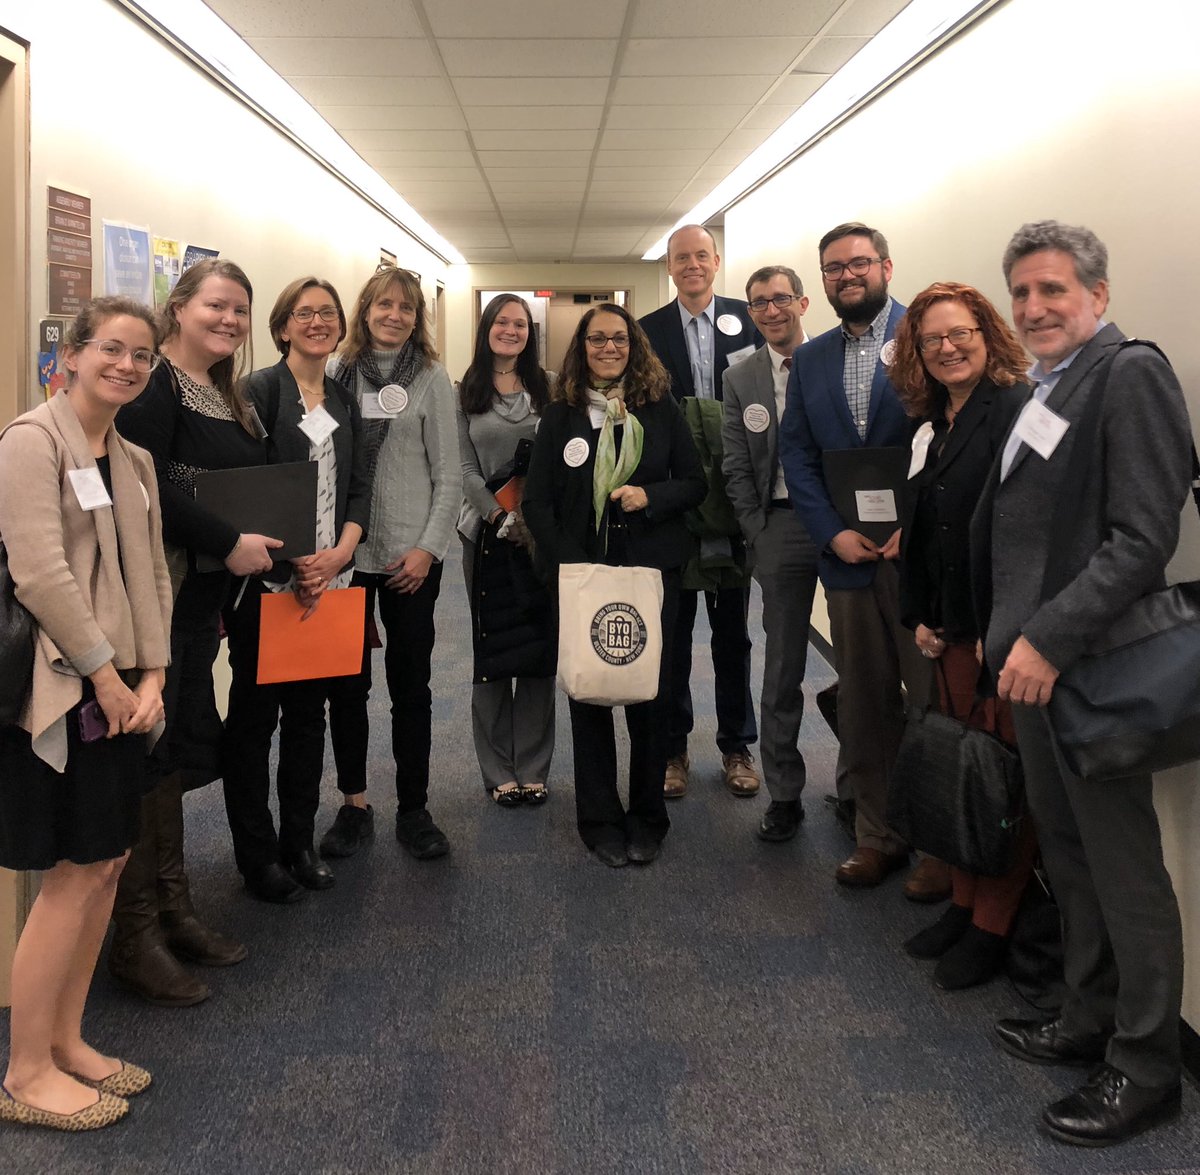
[[144, 360], [959, 337]]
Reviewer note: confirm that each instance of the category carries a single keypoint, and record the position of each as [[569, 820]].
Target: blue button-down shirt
[[699, 331], [860, 358]]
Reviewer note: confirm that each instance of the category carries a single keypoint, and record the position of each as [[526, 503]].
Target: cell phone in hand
[[93, 726]]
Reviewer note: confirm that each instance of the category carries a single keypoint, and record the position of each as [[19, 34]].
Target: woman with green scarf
[[613, 470]]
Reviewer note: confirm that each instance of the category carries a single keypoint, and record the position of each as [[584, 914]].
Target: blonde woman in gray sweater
[[411, 439]]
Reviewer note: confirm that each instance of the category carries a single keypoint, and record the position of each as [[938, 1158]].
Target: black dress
[[90, 812]]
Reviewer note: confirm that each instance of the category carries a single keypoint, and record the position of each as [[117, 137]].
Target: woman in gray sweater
[[501, 399]]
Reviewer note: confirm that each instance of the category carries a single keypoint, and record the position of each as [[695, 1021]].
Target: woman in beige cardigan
[[80, 520]]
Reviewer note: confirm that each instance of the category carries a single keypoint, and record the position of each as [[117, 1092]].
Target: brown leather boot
[[186, 936], [139, 959]]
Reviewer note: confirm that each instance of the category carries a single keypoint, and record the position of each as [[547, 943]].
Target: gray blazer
[[1125, 514], [751, 459]]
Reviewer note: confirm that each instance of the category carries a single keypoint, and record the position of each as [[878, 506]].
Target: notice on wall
[[68, 251], [70, 288], [168, 258], [127, 261], [194, 253]]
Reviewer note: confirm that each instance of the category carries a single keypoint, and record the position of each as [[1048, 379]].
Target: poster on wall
[[194, 253], [127, 261], [167, 259]]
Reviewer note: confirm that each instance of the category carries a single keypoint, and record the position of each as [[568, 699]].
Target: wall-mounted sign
[[68, 222], [70, 202], [127, 261], [51, 375], [70, 288], [68, 249], [194, 253]]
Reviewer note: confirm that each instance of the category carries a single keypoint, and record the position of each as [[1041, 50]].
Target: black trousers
[[298, 707], [408, 651], [598, 811], [736, 727]]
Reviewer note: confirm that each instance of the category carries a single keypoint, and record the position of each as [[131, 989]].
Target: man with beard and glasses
[[839, 397]]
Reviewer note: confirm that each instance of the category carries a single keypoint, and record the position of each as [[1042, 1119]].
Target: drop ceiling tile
[[523, 140], [491, 256], [626, 173], [744, 139], [531, 91], [322, 56], [642, 186], [537, 175], [665, 18], [373, 91], [831, 53], [399, 159], [706, 58], [510, 159], [652, 159], [550, 118], [527, 58], [363, 18], [797, 89], [366, 141], [658, 140], [434, 175], [678, 90], [393, 118], [532, 18], [866, 17], [768, 118], [702, 116]]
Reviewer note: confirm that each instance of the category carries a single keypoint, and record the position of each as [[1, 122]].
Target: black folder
[[874, 473], [279, 501]]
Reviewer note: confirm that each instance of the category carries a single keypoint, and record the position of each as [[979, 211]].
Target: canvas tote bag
[[609, 633]]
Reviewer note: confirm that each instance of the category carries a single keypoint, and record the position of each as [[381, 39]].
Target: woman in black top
[[191, 418], [297, 403], [612, 383], [960, 371]]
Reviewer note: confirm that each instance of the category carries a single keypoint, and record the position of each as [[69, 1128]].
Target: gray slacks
[[785, 566], [1122, 939], [874, 655]]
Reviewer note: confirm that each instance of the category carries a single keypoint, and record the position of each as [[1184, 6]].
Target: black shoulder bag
[[18, 639]]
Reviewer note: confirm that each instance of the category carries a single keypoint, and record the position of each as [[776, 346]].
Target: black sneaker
[[351, 829], [417, 832]]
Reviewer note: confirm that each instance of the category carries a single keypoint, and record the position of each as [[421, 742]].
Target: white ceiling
[[555, 129]]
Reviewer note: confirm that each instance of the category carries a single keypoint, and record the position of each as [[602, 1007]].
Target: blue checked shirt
[[858, 366]]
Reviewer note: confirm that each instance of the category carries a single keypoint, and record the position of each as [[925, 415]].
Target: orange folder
[[328, 644], [510, 493]]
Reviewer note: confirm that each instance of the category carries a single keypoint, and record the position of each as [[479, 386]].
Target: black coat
[[664, 329], [558, 498], [935, 574]]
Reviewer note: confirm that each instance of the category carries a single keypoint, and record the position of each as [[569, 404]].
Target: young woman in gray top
[[411, 442], [501, 399]]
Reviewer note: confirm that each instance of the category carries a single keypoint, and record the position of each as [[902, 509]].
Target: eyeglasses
[[389, 267], [143, 360], [959, 337], [780, 302], [598, 341], [856, 265], [306, 314]]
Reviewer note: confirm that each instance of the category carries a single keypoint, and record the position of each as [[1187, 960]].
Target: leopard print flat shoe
[[103, 1112], [128, 1081]]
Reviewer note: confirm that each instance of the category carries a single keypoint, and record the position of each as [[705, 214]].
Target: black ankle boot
[[977, 957], [934, 941]]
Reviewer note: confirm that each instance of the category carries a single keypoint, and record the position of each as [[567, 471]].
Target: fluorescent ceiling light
[[902, 41], [195, 26]]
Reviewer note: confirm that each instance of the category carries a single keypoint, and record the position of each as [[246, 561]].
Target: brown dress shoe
[[929, 882], [866, 867], [675, 783], [740, 776]]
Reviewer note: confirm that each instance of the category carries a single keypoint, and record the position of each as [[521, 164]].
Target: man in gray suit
[[1042, 603], [783, 557]]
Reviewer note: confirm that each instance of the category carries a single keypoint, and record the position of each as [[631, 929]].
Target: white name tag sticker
[[575, 452], [920, 448], [756, 418], [1040, 428], [729, 324], [887, 353], [317, 425], [875, 505], [89, 488], [372, 409], [393, 398], [737, 356]]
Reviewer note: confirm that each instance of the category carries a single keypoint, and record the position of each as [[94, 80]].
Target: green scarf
[[610, 471]]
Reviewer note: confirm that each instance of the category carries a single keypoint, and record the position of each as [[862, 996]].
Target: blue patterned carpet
[[517, 1007]]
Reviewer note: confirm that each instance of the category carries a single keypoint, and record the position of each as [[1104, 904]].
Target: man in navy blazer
[[697, 336], [839, 397]]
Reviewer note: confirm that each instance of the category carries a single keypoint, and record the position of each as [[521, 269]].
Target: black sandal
[[508, 795], [534, 793]]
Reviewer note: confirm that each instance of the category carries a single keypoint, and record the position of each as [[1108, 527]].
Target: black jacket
[[558, 498], [664, 329], [935, 576]]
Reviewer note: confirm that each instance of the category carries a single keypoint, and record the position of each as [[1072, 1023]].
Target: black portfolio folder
[[866, 487], [279, 501]]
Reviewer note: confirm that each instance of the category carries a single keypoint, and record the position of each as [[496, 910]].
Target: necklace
[[504, 371]]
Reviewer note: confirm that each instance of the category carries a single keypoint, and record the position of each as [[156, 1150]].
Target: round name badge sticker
[[393, 398], [575, 452], [729, 324], [618, 634], [887, 356], [756, 418]]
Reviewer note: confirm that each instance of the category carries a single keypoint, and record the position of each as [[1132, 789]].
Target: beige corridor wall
[[120, 117], [1083, 110]]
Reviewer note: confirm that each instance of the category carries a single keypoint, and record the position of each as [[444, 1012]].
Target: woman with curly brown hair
[[959, 371], [613, 470]]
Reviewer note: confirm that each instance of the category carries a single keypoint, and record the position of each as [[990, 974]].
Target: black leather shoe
[[351, 829], [273, 883], [612, 853], [309, 870], [417, 832], [1109, 1108], [780, 821], [1044, 1042], [642, 849]]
